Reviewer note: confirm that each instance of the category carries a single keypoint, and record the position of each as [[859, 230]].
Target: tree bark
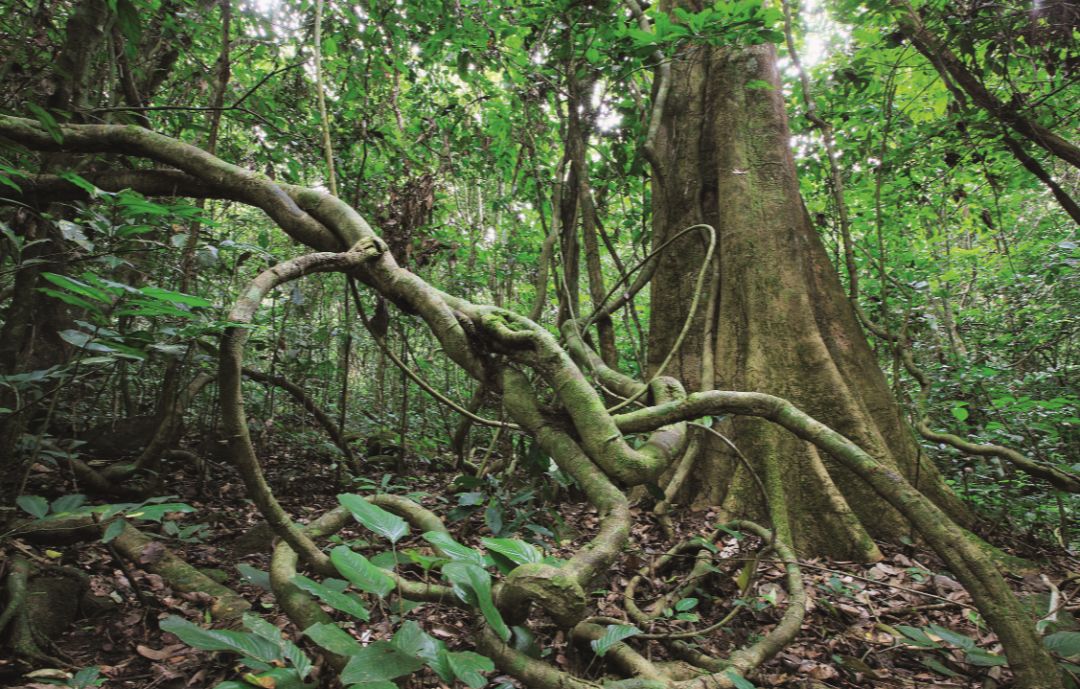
[[781, 322]]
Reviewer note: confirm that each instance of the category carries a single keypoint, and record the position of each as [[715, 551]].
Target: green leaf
[[612, 635], [450, 548], [937, 666], [80, 288], [519, 552], [493, 517], [525, 642], [387, 525], [358, 570], [469, 578], [114, 529], [379, 662], [959, 413], [413, 640], [277, 678], [248, 645], [1064, 644], [155, 513], [80, 182], [686, 604], [255, 576], [342, 602], [917, 636], [86, 677], [467, 667], [71, 299], [981, 658], [83, 340], [333, 638], [47, 121], [290, 651], [951, 637], [127, 17], [175, 297], [34, 505]]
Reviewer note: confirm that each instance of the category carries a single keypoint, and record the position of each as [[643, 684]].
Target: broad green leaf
[[71, 299], [519, 552], [255, 576], [387, 525], [301, 664], [378, 662], [333, 638], [154, 513], [467, 667], [1065, 644], [917, 636], [249, 645], [450, 548], [343, 602], [413, 640], [686, 604], [83, 340], [81, 288], [363, 575], [114, 529], [612, 635], [34, 505], [469, 578], [525, 642], [494, 518], [951, 637]]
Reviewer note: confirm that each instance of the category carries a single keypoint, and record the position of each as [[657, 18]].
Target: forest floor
[[901, 622]]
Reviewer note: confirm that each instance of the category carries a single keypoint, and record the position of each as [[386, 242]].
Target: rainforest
[[543, 344]]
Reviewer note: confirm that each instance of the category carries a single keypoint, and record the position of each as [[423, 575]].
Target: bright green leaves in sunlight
[[746, 22]]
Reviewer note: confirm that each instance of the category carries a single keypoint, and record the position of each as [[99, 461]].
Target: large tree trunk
[[780, 322]]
